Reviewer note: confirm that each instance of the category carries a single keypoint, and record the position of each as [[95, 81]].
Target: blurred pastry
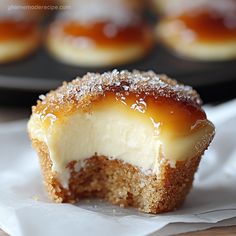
[[132, 138], [206, 32], [19, 36], [99, 33], [18, 39]]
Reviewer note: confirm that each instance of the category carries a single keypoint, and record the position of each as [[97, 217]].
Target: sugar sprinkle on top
[[94, 84]]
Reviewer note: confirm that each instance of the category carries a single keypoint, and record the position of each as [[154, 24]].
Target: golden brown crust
[[121, 183], [81, 92]]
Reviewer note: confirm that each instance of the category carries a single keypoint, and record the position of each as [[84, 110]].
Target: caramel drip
[[165, 114]]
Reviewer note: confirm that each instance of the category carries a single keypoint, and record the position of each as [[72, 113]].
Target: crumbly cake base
[[120, 183]]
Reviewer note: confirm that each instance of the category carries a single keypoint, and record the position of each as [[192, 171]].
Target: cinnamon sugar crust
[[120, 183]]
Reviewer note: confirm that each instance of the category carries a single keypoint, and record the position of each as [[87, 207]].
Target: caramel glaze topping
[[165, 103], [13, 30], [210, 26], [105, 33], [165, 114]]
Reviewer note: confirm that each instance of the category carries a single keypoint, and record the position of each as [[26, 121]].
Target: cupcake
[[205, 31], [19, 36], [131, 138], [99, 33]]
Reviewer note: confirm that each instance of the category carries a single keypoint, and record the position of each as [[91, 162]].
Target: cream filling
[[116, 135]]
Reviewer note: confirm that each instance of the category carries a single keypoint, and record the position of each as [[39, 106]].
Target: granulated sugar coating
[[92, 85]]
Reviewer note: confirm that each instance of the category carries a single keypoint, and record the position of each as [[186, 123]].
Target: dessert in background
[[19, 36], [205, 30], [132, 138], [99, 33]]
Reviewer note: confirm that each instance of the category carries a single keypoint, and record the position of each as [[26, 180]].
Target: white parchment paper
[[26, 210]]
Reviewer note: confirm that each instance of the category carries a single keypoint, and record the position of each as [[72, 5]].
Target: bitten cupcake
[[132, 138]]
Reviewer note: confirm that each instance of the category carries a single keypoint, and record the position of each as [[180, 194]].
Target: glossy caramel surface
[[210, 26], [177, 118], [105, 33], [164, 114], [14, 30]]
